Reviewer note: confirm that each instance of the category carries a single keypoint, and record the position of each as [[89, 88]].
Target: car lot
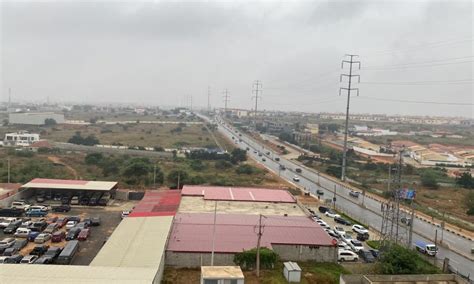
[[93, 240], [351, 238]]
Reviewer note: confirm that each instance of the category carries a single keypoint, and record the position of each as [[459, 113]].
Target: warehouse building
[[34, 118]]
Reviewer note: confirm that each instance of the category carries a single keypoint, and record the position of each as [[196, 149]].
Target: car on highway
[[277, 159], [342, 221], [359, 229], [354, 193], [296, 178], [355, 245], [366, 255], [298, 170], [319, 192], [264, 160], [347, 255], [282, 167], [331, 214]]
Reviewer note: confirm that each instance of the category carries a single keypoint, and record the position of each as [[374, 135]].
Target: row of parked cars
[[349, 248], [44, 254], [82, 198]]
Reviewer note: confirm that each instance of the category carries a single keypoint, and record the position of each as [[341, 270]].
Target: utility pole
[[154, 176], [226, 99], [179, 173], [259, 234], [8, 166], [9, 97], [256, 85], [209, 99], [348, 89]]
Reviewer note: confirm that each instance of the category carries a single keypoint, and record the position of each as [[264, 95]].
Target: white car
[[343, 246], [359, 229], [296, 178], [20, 205], [70, 224], [125, 214], [347, 237], [346, 255], [323, 224], [331, 214], [339, 230], [356, 245], [5, 222]]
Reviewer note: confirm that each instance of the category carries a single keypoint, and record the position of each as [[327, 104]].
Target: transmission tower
[[348, 89], [257, 88], [392, 230], [226, 99], [209, 99]]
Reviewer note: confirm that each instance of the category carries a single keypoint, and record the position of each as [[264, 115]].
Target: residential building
[[21, 138]]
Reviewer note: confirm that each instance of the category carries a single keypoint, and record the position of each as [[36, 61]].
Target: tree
[[238, 155], [50, 122], [286, 136], [469, 201], [77, 138], [465, 180], [400, 260], [93, 158], [245, 169], [176, 176], [137, 171], [429, 179], [222, 165], [335, 171]]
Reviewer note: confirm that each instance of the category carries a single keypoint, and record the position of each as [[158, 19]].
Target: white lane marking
[[231, 194], [251, 195]]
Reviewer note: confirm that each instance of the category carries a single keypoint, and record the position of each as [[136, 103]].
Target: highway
[[369, 214]]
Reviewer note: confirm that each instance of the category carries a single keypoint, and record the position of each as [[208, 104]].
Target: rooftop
[[406, 279], [239, 193], [43, 183], [136, 242], [221, 272], [236, 232], [158, 203]]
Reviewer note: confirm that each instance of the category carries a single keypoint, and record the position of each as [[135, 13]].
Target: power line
[[444, 82], [349, 89], [226, 99], [416, 66], [209, 99], [416, 102]]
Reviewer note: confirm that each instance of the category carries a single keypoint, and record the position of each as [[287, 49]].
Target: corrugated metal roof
[[70, 184], [158, 203], [239, 193], [236, 232], [136, 242], [74, 274]]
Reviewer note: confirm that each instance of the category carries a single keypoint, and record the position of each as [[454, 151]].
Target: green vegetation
[[373, 244], [466, 180], [470, 203], [429, 179], [77, 138], [247, 258], [399, 260]]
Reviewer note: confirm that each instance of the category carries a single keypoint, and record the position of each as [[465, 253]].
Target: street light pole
[[8, 166], [154, 176]]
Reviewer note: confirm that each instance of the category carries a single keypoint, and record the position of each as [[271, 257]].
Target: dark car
[[298, 170], [74, 218], [52, 220], [323, 209], [82, 225], [38, 226], [57, 197], [44, 260], [88, 221], [62, 222], [14, 258], [39, 250], [84, 200], [62, 208], [32, 236], [58, 236], [65, 200], [20, 243], [342, 221], [374, 252], [319, 192], [10, 251], [95, 221], [366, 256], [362, 237], [72, 234], [11, 228], [49, 256]]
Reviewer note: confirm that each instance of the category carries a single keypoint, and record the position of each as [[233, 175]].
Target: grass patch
[[373, 244], [345, 216]]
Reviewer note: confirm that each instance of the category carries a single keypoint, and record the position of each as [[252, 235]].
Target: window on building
[[210, 281], [230, 281]]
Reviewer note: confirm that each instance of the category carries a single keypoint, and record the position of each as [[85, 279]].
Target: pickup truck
[[426, 248]]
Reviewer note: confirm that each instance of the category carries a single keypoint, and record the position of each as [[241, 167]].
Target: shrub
[[247, 258], [245, 169], [429, 179], [222, 165]]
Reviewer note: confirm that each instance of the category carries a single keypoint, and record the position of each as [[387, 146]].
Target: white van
[[20, 205], [22, 232]]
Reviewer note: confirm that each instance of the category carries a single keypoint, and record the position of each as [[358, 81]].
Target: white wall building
[[23, 139], [34, 118]]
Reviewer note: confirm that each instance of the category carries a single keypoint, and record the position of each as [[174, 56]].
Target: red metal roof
[[235, 232], [158, 203], [239, 193]]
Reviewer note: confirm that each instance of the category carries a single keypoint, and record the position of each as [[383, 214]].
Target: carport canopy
[[42, 183]]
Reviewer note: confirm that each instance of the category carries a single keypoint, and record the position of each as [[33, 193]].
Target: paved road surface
[[370, 214]]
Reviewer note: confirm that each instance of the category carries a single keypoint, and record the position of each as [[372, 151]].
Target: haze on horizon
[[163, 52]]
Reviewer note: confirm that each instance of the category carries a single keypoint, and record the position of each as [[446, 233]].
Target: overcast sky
[[164, 52]]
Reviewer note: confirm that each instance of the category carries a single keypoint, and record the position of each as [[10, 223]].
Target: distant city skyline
[[417, 57]]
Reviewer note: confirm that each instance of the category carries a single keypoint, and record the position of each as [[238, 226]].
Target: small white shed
[[221, 275], [292, 272]]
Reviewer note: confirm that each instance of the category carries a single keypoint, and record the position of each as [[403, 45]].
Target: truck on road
[[426, 248]]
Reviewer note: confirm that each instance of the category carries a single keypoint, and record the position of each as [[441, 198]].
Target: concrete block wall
[[191, 260], [306, 253], [22, 194]]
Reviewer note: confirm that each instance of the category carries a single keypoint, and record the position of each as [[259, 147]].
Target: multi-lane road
[[369, 212]]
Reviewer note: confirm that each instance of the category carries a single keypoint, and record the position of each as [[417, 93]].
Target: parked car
[[10, 251], [362, 237], [14, 258], [50, 255], [5, 222], [40, 198], [11, 212], [87, 221], [72, 234], [20, 244], [32, 236], [84, 234], [82, 225], [38, 226], [68, 253], [125, 214], [52, 220], [339, 230], [29, 259], [62, 222], [20, 205], [374, 252], [6, 243], [57, 197], [44, 260], [58, 236], [331, 214], [332, 233], [74, 218], [39, 250], [346, 255], [11, 228], [342, 221], [36, 213], [4, 259], [42, 238], [75, 200], [343, 246], [95, 221], [359, 229], [366, 256], [347, 237], [323, 209], [51, 228], [356, 245], [70, 224], [39, 207]]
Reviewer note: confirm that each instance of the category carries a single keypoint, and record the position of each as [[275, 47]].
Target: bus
[[68, 252]]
